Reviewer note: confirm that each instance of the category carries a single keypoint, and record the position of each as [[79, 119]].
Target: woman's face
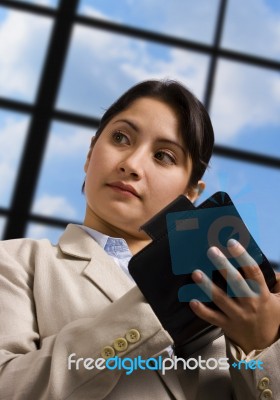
[[136, 167]]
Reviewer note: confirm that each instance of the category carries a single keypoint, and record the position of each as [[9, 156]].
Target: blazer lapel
[[109, 277], [101, 268]]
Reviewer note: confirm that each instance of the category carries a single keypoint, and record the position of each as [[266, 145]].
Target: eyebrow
[[160, 140]]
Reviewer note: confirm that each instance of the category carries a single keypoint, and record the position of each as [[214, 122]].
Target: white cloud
[[54, 205], [7, 176], [12, 136], [176, 17], [72, 143], [66, 141], [252, 26], [186, 18], [187, 67], [137, 60], [103, 47], [104, 64], [247, 96], [244, 97], [223, 177], [101, 66], [22, 45], [38, 231]]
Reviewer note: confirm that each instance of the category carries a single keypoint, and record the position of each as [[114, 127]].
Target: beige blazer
[[56, 300]]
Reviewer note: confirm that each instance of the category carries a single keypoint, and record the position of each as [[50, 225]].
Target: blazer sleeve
[[258, 380], [32, 368]]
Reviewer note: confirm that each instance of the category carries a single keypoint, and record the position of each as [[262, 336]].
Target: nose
[[133, 164]]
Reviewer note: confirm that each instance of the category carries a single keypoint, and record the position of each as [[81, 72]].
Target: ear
[[93, 141], [194, 192]]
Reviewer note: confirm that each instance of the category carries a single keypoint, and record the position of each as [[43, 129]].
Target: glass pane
[[250, 185], [246, 108], [178, 18], [2, 226], [47, 3], [23, 50], [13, 129], [101, 66], [59, 190], [40, 231], [252, 26]]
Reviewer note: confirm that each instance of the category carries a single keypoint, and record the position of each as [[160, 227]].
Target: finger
[[214, 293], [252, 271], [234, 279], [240, 254], [214, 317]]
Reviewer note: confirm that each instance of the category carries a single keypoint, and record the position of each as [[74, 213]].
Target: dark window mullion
[[214, 58], [177, 42], [16, 106], [247, 156]]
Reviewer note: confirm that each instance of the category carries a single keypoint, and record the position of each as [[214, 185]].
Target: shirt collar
[[116, 247]]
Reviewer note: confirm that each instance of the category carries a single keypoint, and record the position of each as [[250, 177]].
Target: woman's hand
[[252, 318]]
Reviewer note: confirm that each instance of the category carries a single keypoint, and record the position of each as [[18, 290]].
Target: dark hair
[[195, 124]]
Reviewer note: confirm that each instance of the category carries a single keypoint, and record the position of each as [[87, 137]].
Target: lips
[[126, 188]]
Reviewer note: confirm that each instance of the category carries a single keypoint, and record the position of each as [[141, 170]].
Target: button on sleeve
[[266, 394], [263, 383], [107, 352], [120, 344], [133, 336]]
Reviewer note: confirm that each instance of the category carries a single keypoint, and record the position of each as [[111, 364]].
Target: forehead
[[151, 112], [150, 105]]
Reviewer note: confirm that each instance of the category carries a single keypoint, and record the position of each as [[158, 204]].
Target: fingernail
[[232, 242], [194, 303], [214, 252], [199, 275]]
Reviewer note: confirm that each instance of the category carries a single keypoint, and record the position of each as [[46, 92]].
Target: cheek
[[93, 176], [97, 163], [165, 188], [171, 184]]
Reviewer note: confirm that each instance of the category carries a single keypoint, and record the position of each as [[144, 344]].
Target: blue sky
[[124, 62], [100, 66], [176, 17]]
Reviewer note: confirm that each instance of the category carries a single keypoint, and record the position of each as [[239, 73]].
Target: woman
[[64, 306]]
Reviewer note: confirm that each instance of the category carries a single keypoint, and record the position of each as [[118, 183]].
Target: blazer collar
[[101, 268]]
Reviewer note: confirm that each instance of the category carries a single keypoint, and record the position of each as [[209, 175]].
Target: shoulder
[[26, 250], [21, 254], [74, 241], [23, 246], [28, 245]]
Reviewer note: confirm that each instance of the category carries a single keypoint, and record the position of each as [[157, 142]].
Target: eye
[[165, 157], [120, 138]]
